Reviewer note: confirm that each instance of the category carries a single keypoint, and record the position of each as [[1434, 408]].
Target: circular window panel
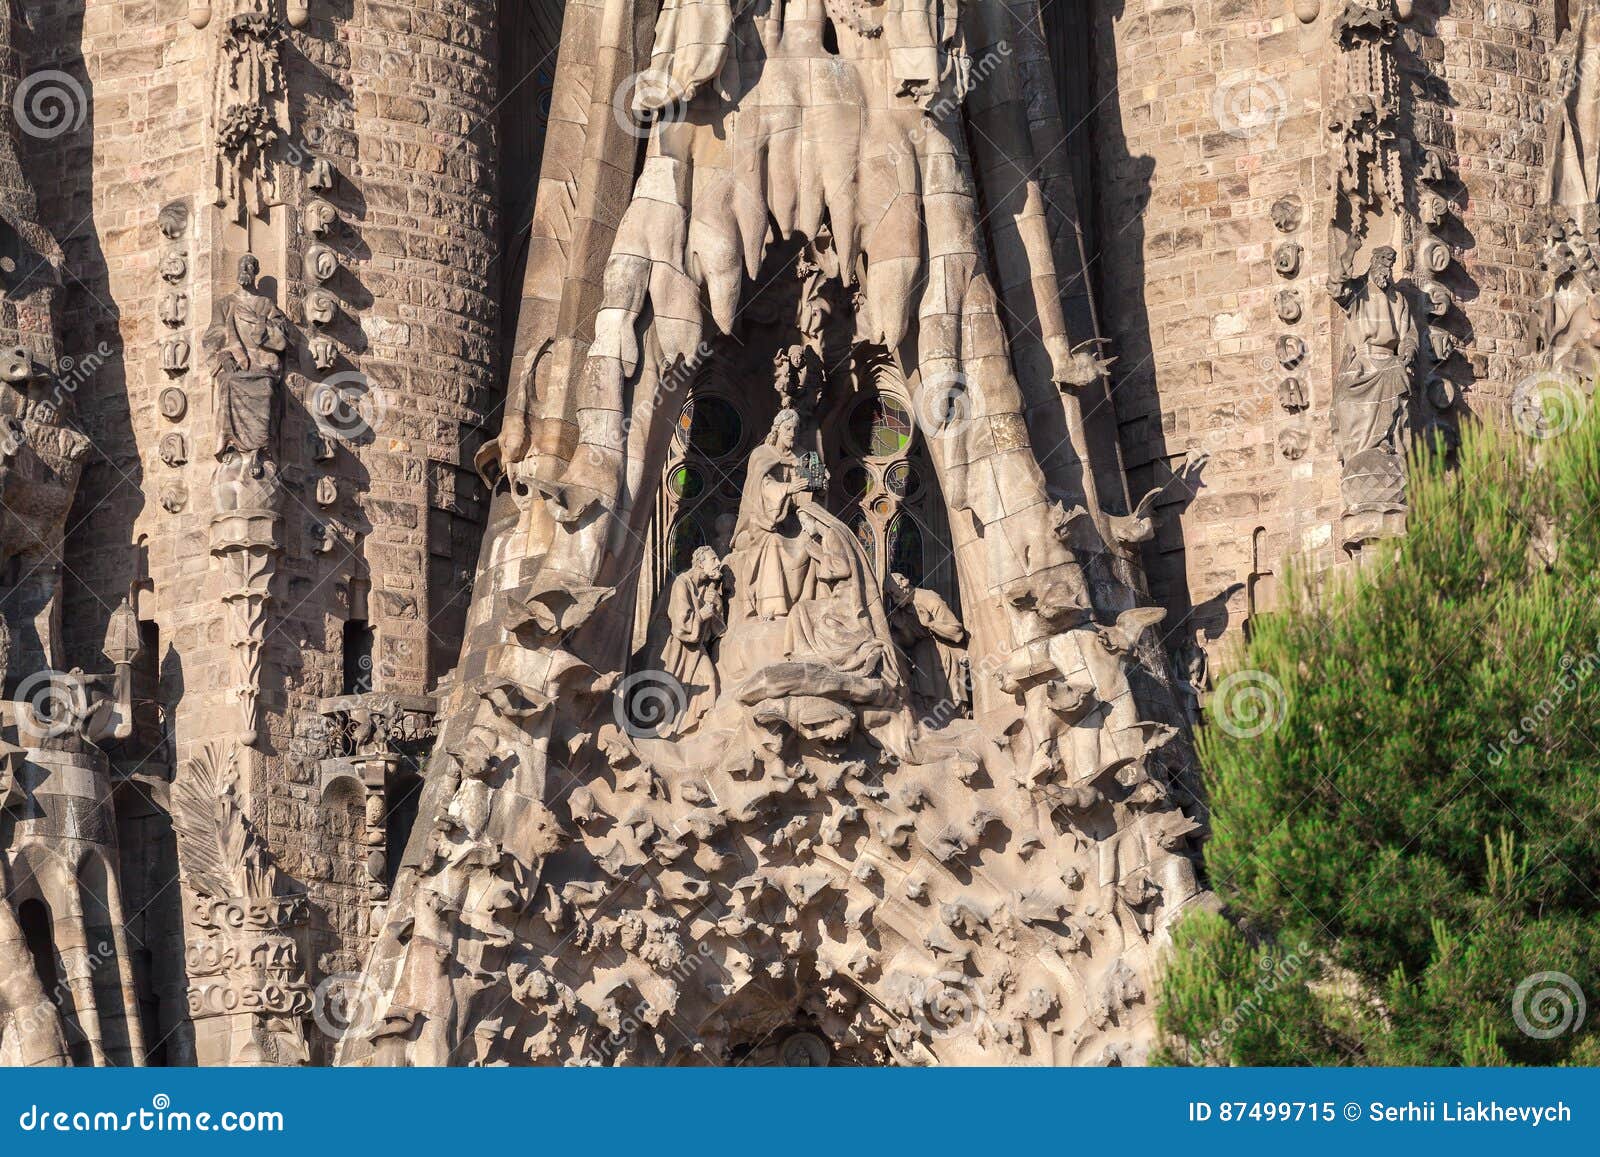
[[880, 427], [710, 426], [686, 482], [902, 480], [857, 481]]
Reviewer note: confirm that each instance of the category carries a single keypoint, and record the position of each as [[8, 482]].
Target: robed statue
[[1371, 390], [694, 624], [247, 342]]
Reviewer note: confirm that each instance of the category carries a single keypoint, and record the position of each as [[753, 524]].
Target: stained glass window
[[710, 426], [687, 536], [687, 483], [880, 426], [868, 537], [905, 548]]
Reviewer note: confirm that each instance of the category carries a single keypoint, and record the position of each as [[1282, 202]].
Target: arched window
[[905, 547], [884, 486], [699, 496]]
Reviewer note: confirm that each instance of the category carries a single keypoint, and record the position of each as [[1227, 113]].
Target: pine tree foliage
[[1416, 831]]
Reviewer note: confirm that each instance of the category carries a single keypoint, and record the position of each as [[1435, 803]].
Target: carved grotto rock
[[789, 840]]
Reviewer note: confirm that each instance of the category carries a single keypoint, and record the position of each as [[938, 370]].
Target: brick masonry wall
[[399, 99], [1185, 242], [1208, 113], [1487, 108]]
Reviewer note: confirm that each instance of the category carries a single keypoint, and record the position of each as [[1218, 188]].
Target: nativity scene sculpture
[[797, 847]]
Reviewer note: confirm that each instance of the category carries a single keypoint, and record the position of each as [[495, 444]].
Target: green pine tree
[[1415, 829]]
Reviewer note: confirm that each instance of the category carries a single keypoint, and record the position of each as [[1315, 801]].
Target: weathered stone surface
[[643, 567]]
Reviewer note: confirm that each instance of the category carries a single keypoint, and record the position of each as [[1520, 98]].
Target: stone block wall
[[1209, 114], [1488, 104], [381, 521]]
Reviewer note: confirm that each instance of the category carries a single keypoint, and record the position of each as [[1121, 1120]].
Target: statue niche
[[1370, 393], [247, 341], [795, 843]]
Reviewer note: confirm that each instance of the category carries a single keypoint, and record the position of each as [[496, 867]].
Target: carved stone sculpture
[[801, 845], [695, 620], [1575, 160], [249, 84], [810, 703], [930, 637], [247, 992], [1570, 319], [247, 341], [1369, 400]]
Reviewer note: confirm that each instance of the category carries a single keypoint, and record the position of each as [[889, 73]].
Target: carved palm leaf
[[220, 853]]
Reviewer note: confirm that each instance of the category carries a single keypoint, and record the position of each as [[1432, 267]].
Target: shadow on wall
[[1452, 377], [99, 566], [1122, 185]]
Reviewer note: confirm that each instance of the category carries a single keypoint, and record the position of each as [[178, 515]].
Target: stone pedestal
[[248, 997], [246, 544]]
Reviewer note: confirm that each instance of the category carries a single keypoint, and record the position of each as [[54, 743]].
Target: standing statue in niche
[[1370, 392], [694, 623], [931, 637], [247, 340]]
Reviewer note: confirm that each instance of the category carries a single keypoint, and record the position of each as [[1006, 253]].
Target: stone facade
[[467, 454]]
